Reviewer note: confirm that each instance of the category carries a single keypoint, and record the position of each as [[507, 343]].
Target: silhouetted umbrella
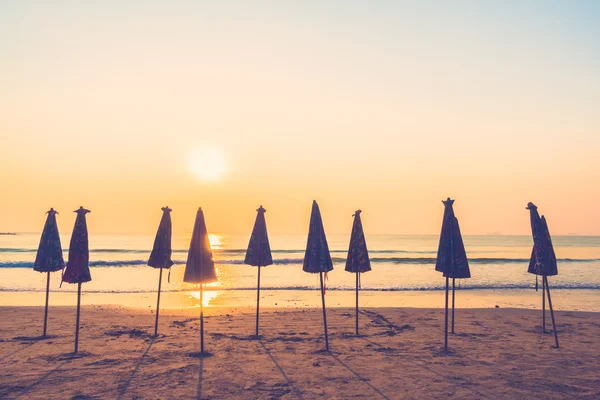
[[451, 258], [200, 267], [259, 251], [161, 254], [49, 256], [78, 270], [543, 261], [317, 258], [358, 256]]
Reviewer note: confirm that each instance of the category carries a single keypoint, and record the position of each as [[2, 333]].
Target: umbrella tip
[[448, 201], [531, 206], [82, 210], [357, 212], [167, 209], [51, 211], [261, 209]]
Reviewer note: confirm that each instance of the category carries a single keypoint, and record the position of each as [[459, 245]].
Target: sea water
[[402, 273]]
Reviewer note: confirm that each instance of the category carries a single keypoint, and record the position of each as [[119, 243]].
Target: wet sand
[[564, 299], [495, 354]]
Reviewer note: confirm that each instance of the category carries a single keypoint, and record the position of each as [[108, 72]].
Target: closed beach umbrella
[[317, 259], [259, 251], [49, 256], [451, 258], [358, 256], [161, 254], [200, 267], [78, 269], [543, 261]]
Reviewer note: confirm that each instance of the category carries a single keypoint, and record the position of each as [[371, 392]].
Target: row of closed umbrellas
[[451, 261]]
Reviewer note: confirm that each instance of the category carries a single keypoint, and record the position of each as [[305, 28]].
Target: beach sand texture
[[495, 354]]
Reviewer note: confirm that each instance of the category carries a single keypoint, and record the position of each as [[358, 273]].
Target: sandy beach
[[495, 354]]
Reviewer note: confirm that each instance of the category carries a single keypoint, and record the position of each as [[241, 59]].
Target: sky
[[384, 106]]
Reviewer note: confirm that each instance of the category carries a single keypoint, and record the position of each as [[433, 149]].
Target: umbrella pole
[[453, 289], [77, 320], [257, 300], [158, 303], [536, 283], [324, 313], [201, 321], [46, 310], [357, 277], [446, 323], [543, 303], [551, 311]]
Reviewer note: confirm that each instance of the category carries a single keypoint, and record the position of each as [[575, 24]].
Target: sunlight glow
[[215, 241], [209, 294], [207, 297], [207, 164]]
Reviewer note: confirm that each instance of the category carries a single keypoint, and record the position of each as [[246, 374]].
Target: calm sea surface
[[402, 264]]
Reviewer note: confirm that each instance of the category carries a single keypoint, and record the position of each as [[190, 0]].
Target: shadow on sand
[[429, 369], [32, 339], [16, 351], [28, 388], [124, 385], [199, 389], [356, 374], [281, 371]]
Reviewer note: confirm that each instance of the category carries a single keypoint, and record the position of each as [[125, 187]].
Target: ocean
[[402, 273]]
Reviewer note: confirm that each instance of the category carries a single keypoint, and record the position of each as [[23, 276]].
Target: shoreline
[[496, 353], [563, 299]]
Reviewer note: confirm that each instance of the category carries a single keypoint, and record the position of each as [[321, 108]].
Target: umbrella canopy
[[161, 252], [317, 258], [358, 256], [543, 259], [49, 256], [78, 269], [259, 251], [452, 257], [200, 267]]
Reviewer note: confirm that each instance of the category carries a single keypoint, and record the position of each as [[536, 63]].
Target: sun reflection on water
[[211, 290], [216, 241], [207, 297], [209, 293]]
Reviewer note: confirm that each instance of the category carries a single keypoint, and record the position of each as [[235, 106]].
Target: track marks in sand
[[381, 321], [118, 331], [408, 358], [235, 360]]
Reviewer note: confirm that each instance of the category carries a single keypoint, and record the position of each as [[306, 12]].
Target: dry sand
[[495, 354]]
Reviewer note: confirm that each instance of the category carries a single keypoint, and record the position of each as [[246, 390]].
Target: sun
[[207, 164]]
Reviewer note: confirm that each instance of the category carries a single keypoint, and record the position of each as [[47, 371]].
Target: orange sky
[[387, 109]]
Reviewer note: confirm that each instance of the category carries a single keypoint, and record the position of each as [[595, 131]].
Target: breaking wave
[[516, 286], [296, 261]]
